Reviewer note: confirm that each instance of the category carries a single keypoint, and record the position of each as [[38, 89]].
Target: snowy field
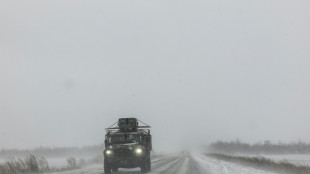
[[57, 162], [215, 166], [294, 159], [297, 159]]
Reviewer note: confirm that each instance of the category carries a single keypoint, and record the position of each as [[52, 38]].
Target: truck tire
[[107, 167], [146, 164], [149, 164], [143, 167]]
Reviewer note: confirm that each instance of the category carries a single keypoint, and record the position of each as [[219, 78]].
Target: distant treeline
[[267, 147], [54, 151]]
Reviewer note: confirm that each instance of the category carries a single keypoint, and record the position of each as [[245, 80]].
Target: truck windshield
[[126, 138]]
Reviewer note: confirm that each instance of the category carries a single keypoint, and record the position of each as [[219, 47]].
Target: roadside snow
[[222, 167], [303, 160]]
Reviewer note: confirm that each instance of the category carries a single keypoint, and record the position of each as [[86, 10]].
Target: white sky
[[196, 71]]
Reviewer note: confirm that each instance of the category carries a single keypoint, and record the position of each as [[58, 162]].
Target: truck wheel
[[114, 169], [107, 167], [143, 167], [149, 164]]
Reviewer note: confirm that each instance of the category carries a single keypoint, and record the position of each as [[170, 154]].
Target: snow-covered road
[[181, 163]]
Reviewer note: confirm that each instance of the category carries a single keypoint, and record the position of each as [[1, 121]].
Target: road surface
[[181, 163]]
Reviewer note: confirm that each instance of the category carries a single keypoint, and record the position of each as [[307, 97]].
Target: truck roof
[[128, 125], [139, 131], [121, 133]]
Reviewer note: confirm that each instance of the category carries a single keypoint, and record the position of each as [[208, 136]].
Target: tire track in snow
[[194, 167], [174, 167]]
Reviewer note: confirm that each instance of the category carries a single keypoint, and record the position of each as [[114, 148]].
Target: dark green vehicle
[[127, 145]]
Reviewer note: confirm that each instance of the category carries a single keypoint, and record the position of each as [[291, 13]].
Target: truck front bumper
[[124, 162]]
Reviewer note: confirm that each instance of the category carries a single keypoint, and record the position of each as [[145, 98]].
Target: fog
[[196, 71]]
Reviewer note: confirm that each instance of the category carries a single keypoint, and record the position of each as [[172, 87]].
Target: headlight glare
[[138, 150], [108, 152]]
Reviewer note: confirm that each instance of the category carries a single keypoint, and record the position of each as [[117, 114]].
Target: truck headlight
[[108, 152], [139, 150]]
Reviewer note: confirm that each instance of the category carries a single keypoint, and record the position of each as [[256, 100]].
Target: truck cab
[[127, 145]]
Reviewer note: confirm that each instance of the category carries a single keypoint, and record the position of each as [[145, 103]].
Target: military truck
[[128, 144]]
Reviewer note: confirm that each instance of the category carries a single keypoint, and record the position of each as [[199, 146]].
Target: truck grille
[[123, 153]]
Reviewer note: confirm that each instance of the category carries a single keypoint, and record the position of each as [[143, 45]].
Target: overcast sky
[[196, 71]]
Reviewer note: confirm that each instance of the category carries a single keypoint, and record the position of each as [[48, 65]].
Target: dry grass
[[32, 164]]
